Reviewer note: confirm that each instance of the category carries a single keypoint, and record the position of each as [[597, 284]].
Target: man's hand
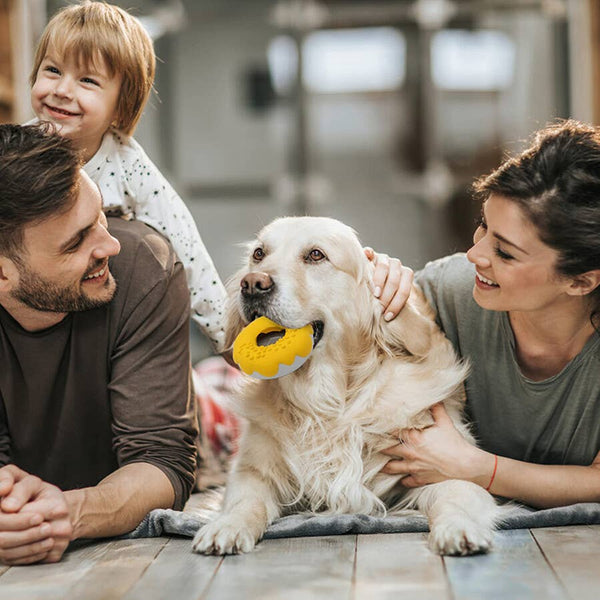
[[392, 282], [34, 519]]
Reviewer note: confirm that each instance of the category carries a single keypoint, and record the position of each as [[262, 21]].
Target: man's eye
[[75, 246], [315, 255], [258, 254]]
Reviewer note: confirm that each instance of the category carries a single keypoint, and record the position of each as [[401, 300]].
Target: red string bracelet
[[487, 489]]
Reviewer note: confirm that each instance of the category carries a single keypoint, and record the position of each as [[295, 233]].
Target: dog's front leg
[[250, 506], [462, 516]]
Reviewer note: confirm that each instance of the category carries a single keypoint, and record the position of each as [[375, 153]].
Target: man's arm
[[38, 520], [152, 402], [119, 502]]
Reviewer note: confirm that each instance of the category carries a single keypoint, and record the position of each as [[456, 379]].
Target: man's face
[[65, 264]]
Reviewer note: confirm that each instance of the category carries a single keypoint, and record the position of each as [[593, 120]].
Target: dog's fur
[[312, 439]]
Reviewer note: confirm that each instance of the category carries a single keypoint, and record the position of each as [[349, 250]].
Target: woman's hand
[[391, 282], [437, 453]]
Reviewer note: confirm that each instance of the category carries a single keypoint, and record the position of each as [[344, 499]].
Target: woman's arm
[[440, 452], [546, 486]]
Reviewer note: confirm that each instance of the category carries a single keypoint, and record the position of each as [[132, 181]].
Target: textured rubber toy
[[284, 356]]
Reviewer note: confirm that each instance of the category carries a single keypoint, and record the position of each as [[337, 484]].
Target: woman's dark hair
[[556, 182], [39, 178]]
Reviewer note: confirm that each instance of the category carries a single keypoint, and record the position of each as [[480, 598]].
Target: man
[[97, 424]]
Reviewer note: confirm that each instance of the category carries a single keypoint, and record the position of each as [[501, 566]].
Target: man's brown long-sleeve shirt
[[109, 386]]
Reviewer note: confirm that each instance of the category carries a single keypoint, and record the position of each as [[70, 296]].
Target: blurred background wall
[[380, 113]]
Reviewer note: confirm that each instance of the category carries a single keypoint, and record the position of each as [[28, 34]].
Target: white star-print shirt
[[130, 182]]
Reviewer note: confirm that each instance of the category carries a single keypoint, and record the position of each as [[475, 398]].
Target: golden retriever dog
[[312, 440]]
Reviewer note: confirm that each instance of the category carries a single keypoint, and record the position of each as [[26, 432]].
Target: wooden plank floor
[[545, 564]]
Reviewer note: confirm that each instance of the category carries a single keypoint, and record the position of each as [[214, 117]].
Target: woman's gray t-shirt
[[555, 421]]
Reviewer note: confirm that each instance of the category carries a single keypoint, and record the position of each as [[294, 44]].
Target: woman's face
[[515, 269]]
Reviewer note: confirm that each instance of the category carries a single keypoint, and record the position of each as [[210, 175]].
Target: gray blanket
[[171, 522]]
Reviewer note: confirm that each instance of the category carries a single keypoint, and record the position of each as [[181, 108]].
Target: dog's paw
[[225, 535], [460, 536]]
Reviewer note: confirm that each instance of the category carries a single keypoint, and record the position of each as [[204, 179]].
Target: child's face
[[80, 99]]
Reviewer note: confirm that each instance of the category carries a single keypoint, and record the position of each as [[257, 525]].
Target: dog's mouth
[[318, 328], [272, 337]]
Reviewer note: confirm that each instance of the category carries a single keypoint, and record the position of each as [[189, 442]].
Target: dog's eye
[[315, 255], [258, 254]]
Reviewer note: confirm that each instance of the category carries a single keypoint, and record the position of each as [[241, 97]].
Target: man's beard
[[36, 292]]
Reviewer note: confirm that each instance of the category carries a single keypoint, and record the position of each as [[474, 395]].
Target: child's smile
[[59, 112], [80, 99]]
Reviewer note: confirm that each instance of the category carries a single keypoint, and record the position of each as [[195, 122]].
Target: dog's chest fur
[[330, 450]]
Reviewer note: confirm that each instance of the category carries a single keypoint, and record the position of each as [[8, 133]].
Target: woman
[[523, 307]]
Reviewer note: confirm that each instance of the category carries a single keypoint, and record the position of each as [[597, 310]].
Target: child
[[92, 75]]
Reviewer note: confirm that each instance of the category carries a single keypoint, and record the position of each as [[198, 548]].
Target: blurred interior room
[[379, 113]]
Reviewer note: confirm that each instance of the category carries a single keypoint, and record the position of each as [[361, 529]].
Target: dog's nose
[[256, 283]]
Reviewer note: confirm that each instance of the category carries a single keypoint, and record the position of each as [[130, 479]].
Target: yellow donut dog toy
[[280, 358]]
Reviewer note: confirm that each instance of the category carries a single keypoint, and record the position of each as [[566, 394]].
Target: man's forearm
[[119, 502]]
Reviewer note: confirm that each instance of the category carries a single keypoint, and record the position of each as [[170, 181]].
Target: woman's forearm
[[543, 486]]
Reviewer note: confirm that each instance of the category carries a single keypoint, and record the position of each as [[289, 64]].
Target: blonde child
[[93, 72]]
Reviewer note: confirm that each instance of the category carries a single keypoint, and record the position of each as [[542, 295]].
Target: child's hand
[[391, 282]]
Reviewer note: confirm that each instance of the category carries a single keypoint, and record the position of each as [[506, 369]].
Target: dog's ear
[[411, 331], [233, 319]]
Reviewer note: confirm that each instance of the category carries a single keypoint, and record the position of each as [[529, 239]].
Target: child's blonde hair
[[90, 30]]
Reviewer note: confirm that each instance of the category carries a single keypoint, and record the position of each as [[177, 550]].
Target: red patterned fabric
[[214, 382]]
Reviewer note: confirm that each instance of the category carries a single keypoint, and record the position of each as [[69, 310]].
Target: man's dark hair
[[39, 178], [556, 182]]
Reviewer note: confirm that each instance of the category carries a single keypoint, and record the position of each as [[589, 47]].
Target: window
[[354, 60], [472, 60]]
